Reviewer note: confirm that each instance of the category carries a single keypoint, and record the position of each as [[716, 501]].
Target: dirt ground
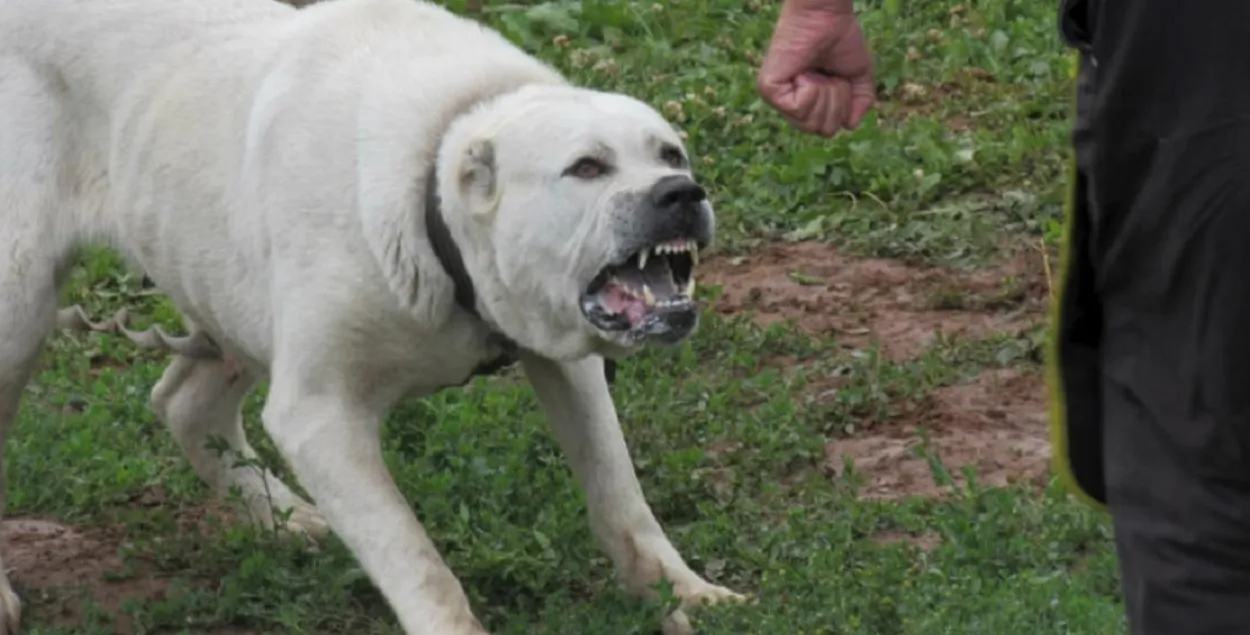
[[54, 567], [860, 301], [996, 423], [47, 556]]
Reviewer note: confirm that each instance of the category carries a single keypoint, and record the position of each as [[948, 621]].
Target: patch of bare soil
[[857, 301], [44, 555], [52, 566], [996, 423]]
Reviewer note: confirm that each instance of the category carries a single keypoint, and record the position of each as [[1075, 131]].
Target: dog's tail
[[197, 345]]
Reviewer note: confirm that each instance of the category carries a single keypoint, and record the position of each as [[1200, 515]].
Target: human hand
[[818, 70]]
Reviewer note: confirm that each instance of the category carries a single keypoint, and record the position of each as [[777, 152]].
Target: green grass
[[964, 155]]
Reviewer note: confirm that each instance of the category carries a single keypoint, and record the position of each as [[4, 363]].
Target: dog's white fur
[[264, 166]]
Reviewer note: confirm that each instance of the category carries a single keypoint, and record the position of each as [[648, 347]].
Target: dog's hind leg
[[28, 310], [201, 402], [32, 250], [26, 315]]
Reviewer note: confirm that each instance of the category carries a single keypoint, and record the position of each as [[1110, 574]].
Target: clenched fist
[[818, 70]]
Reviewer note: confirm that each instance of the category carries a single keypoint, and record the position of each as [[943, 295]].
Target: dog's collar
[[449, 257], [448, 254], [445, 247]]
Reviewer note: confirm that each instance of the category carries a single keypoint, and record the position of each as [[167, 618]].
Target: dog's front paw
[[704, 594]]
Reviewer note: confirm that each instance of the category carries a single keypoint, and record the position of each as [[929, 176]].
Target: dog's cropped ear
[[477, 172]]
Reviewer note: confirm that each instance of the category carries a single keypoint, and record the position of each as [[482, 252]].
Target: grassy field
[[856, 435]]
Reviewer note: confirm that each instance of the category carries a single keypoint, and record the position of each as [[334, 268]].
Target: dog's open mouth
[[650, 293]]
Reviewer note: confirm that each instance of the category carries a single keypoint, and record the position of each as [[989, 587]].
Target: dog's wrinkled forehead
[[559, 125]]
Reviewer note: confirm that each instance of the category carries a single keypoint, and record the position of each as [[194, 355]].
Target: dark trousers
[[1151, 359]]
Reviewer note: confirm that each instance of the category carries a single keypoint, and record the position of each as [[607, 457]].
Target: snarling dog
[[361, 201]]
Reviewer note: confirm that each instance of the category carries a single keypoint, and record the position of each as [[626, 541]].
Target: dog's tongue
[[633, 292], [616, 299]]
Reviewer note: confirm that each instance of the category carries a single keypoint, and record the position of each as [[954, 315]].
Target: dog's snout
[[674, 192]]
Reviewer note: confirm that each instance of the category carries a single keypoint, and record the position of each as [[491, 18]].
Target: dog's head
[[579, 219]]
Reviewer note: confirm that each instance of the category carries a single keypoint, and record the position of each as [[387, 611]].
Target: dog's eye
[[673, 157], [587, 168]]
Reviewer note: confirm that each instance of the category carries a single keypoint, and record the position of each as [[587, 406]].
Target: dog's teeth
[[690, 287], [694, 257], [642, 259], [647, 296], [675, 247]]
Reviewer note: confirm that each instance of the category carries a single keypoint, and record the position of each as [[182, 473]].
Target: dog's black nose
[[675, 192]]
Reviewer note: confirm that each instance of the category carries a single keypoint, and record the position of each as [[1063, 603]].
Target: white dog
[[361, 200]]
